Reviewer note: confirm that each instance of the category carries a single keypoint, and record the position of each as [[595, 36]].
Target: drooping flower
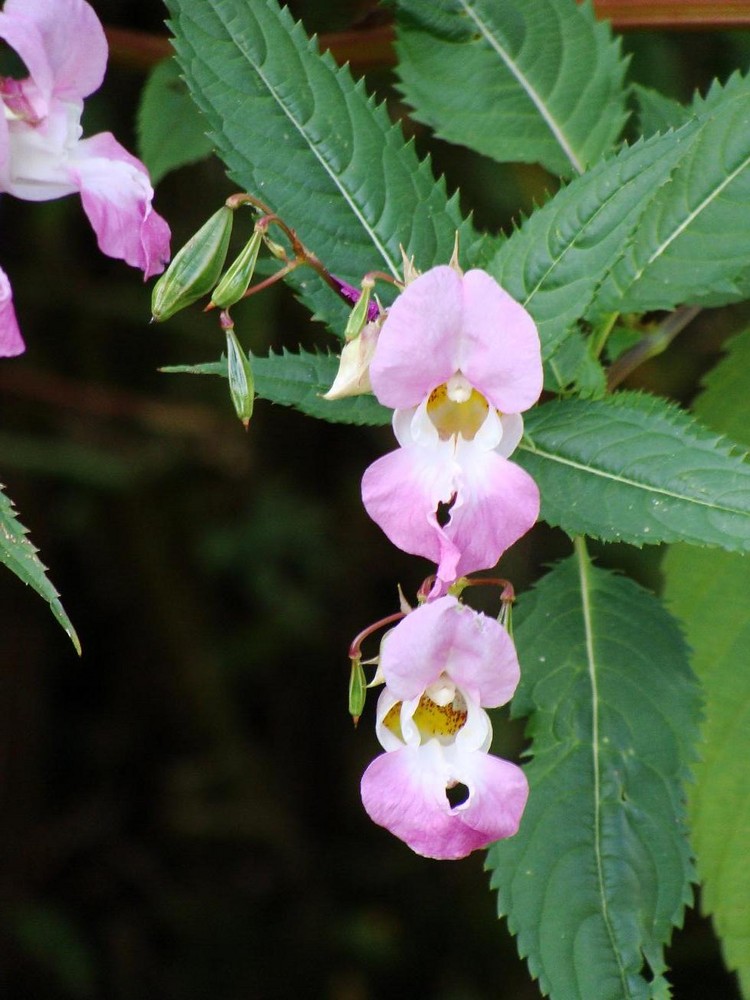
[[42, 154], [459, 360], [444, 664]]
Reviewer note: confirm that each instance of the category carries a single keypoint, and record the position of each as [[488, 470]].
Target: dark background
[[180, 808]]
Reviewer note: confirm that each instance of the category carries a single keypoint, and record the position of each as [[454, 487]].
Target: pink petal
[[443, 323], [11, 342], [405, 791], [497, 502], [61, 42], [4, 149], [500, 353], [401, 492], [444, 636], [116, 196], [418, 344], [498, 794], [23, 34]]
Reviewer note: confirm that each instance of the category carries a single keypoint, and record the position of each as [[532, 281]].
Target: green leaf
[[298, 132], [546, 79], [556, 261], [709, 591], [599, 871], [692, 244], [299, 380], [634, 468], [20, 556], [171, 130], [657, 112], [572, 369]]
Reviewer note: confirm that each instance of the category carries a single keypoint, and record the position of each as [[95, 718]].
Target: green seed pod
[[236, 280], [195, 269], [357, 690], [241, 380]]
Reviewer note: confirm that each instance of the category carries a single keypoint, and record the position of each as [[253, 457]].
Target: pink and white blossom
[[443, 665], [459, 360], [42, 152]]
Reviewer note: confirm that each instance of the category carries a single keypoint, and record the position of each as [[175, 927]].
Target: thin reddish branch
[[373, 47]]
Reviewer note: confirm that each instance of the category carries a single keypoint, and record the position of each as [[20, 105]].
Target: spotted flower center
[[440, 714], [455, 407]]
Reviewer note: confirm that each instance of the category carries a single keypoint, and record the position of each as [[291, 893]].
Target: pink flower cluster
[[42, 154], [458, 360]]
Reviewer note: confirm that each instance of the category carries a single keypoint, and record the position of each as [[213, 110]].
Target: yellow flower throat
[[432, 720], [455, 407]]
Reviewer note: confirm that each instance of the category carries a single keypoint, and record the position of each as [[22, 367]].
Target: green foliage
[[299, 133], [658, 113], [622, 238], [634, 468], [171, 130], [20, 556], [710, 593], [573, 370], [299, 380], [556, 261], [693, 239], [599, 871], [546, 79]]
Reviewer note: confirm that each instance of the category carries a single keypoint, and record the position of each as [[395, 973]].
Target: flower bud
[[357, 690], [276, 249], [236, 280], [241, 380], [353, 376], [195, 269]]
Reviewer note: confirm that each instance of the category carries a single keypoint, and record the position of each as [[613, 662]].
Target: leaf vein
[[309, 139], [583, 564], [524, 81]]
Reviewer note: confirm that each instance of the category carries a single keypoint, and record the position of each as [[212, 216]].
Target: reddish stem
[[356, 644]]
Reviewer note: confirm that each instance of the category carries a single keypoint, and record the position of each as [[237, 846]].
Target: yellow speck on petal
[[433, 720]]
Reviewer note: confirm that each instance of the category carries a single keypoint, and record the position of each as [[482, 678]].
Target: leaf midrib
[[239, 42], [693, 215], [529, 446], [527, 86], [592, 667]]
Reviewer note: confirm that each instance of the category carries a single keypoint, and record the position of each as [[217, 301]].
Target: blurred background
[[180, 807]]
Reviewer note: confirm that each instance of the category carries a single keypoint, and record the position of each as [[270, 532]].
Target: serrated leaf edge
[[52, 597]]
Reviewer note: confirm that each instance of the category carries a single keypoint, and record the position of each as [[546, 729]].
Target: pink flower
[[11, 342], [443, 664], [458, 359], [42, 155]]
